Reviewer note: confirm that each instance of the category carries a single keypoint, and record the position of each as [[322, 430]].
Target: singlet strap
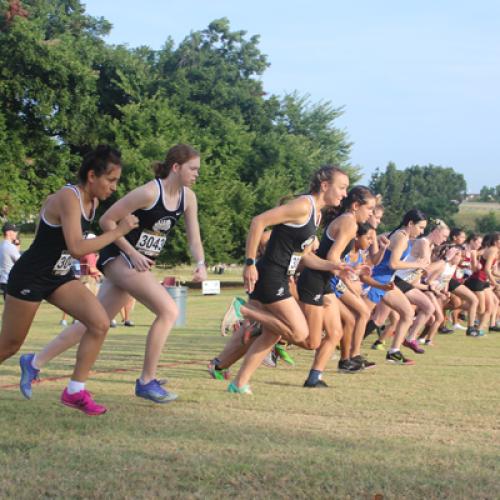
[[180, 204], [311, 213], [158, 196], [79, 196]]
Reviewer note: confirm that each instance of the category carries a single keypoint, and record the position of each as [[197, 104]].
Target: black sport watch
[[250, 262]]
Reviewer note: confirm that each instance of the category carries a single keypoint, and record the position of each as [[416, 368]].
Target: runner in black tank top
[[126, 264], [44, 273], [294, 225], [46, 265], [339, 233], [155, 224], [282, 256]]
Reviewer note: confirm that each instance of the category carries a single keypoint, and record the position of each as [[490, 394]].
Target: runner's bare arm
[[193, 236], [69, 211]]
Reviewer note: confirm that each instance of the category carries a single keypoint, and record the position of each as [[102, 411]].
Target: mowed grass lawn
[[471, 210], [430, 431]]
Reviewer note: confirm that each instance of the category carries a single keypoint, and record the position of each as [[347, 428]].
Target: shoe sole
[[90, 414], [399, 363], [159, 401], [350, 372]]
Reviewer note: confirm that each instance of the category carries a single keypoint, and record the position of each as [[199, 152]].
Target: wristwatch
[[250, 262]]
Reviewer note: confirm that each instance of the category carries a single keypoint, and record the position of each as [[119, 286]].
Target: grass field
[[470, 211], [430, 431]]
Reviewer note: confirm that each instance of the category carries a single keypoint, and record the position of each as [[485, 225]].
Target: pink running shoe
[[413, 345], [82, 401]]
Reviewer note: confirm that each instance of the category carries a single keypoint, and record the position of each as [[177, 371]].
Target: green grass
[[470, 211], [431, 430]]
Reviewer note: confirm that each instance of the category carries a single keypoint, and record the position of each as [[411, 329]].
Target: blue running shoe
[[28, 374], [154, 392]]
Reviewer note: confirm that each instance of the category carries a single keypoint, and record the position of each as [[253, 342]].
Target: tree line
[[63, 90]]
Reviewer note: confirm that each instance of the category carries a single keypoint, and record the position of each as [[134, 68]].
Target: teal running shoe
[[231, 316], [233, 389]]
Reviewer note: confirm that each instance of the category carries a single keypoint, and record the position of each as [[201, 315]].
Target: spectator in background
[[9, 253]]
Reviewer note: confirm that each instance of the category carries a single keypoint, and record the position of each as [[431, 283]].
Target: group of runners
[[354, 282], [315, 294]]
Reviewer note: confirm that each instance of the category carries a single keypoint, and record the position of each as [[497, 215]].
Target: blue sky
[[420, 81]]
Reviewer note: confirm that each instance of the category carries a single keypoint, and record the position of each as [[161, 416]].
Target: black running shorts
[[312, 286], [403, 285], [475, 284], [34, 287], [272, 285]]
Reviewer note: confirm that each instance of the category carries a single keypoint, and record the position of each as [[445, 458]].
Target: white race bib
[[294, 263], [63, 265], [150, 244], [341, 286]]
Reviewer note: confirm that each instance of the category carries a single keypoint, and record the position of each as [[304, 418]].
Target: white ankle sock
[[33, 363], [392, 351], [74, 387]]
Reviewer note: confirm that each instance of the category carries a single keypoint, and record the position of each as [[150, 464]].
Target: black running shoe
[[349, 366], [397, 358], [363, 362], [445, 331], [320, 384], [494, 328], [472, 331]]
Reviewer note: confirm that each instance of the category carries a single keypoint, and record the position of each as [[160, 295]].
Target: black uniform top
[[314, 278], [155, 223], [326, 243], [288, 242], [48, 253]]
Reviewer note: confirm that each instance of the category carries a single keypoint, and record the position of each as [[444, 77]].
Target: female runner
[[43, 271], [126, 265], [295, 225]]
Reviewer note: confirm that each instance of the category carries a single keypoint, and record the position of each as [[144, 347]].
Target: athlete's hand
[[363, 270], [388, 287], [128, 223], [200, 274], [250, 277], [340, 268], [140, 262], [383, 241]]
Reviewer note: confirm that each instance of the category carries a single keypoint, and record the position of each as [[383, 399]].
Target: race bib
[[63, 265], [459, 274], [150, 244], [341, 286], [411, 277], [294, 263]]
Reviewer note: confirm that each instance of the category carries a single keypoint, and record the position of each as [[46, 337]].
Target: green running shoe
[[378, 346], [233, 389], [222, 374], [283, 354]]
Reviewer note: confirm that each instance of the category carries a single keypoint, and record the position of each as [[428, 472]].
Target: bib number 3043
[[150, 244], [63, 265], [294, 263]]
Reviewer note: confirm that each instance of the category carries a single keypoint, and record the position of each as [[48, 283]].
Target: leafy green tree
[[488, 223], [438, 191]]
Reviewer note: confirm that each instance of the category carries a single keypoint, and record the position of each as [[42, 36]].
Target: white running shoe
[[458, 326]]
